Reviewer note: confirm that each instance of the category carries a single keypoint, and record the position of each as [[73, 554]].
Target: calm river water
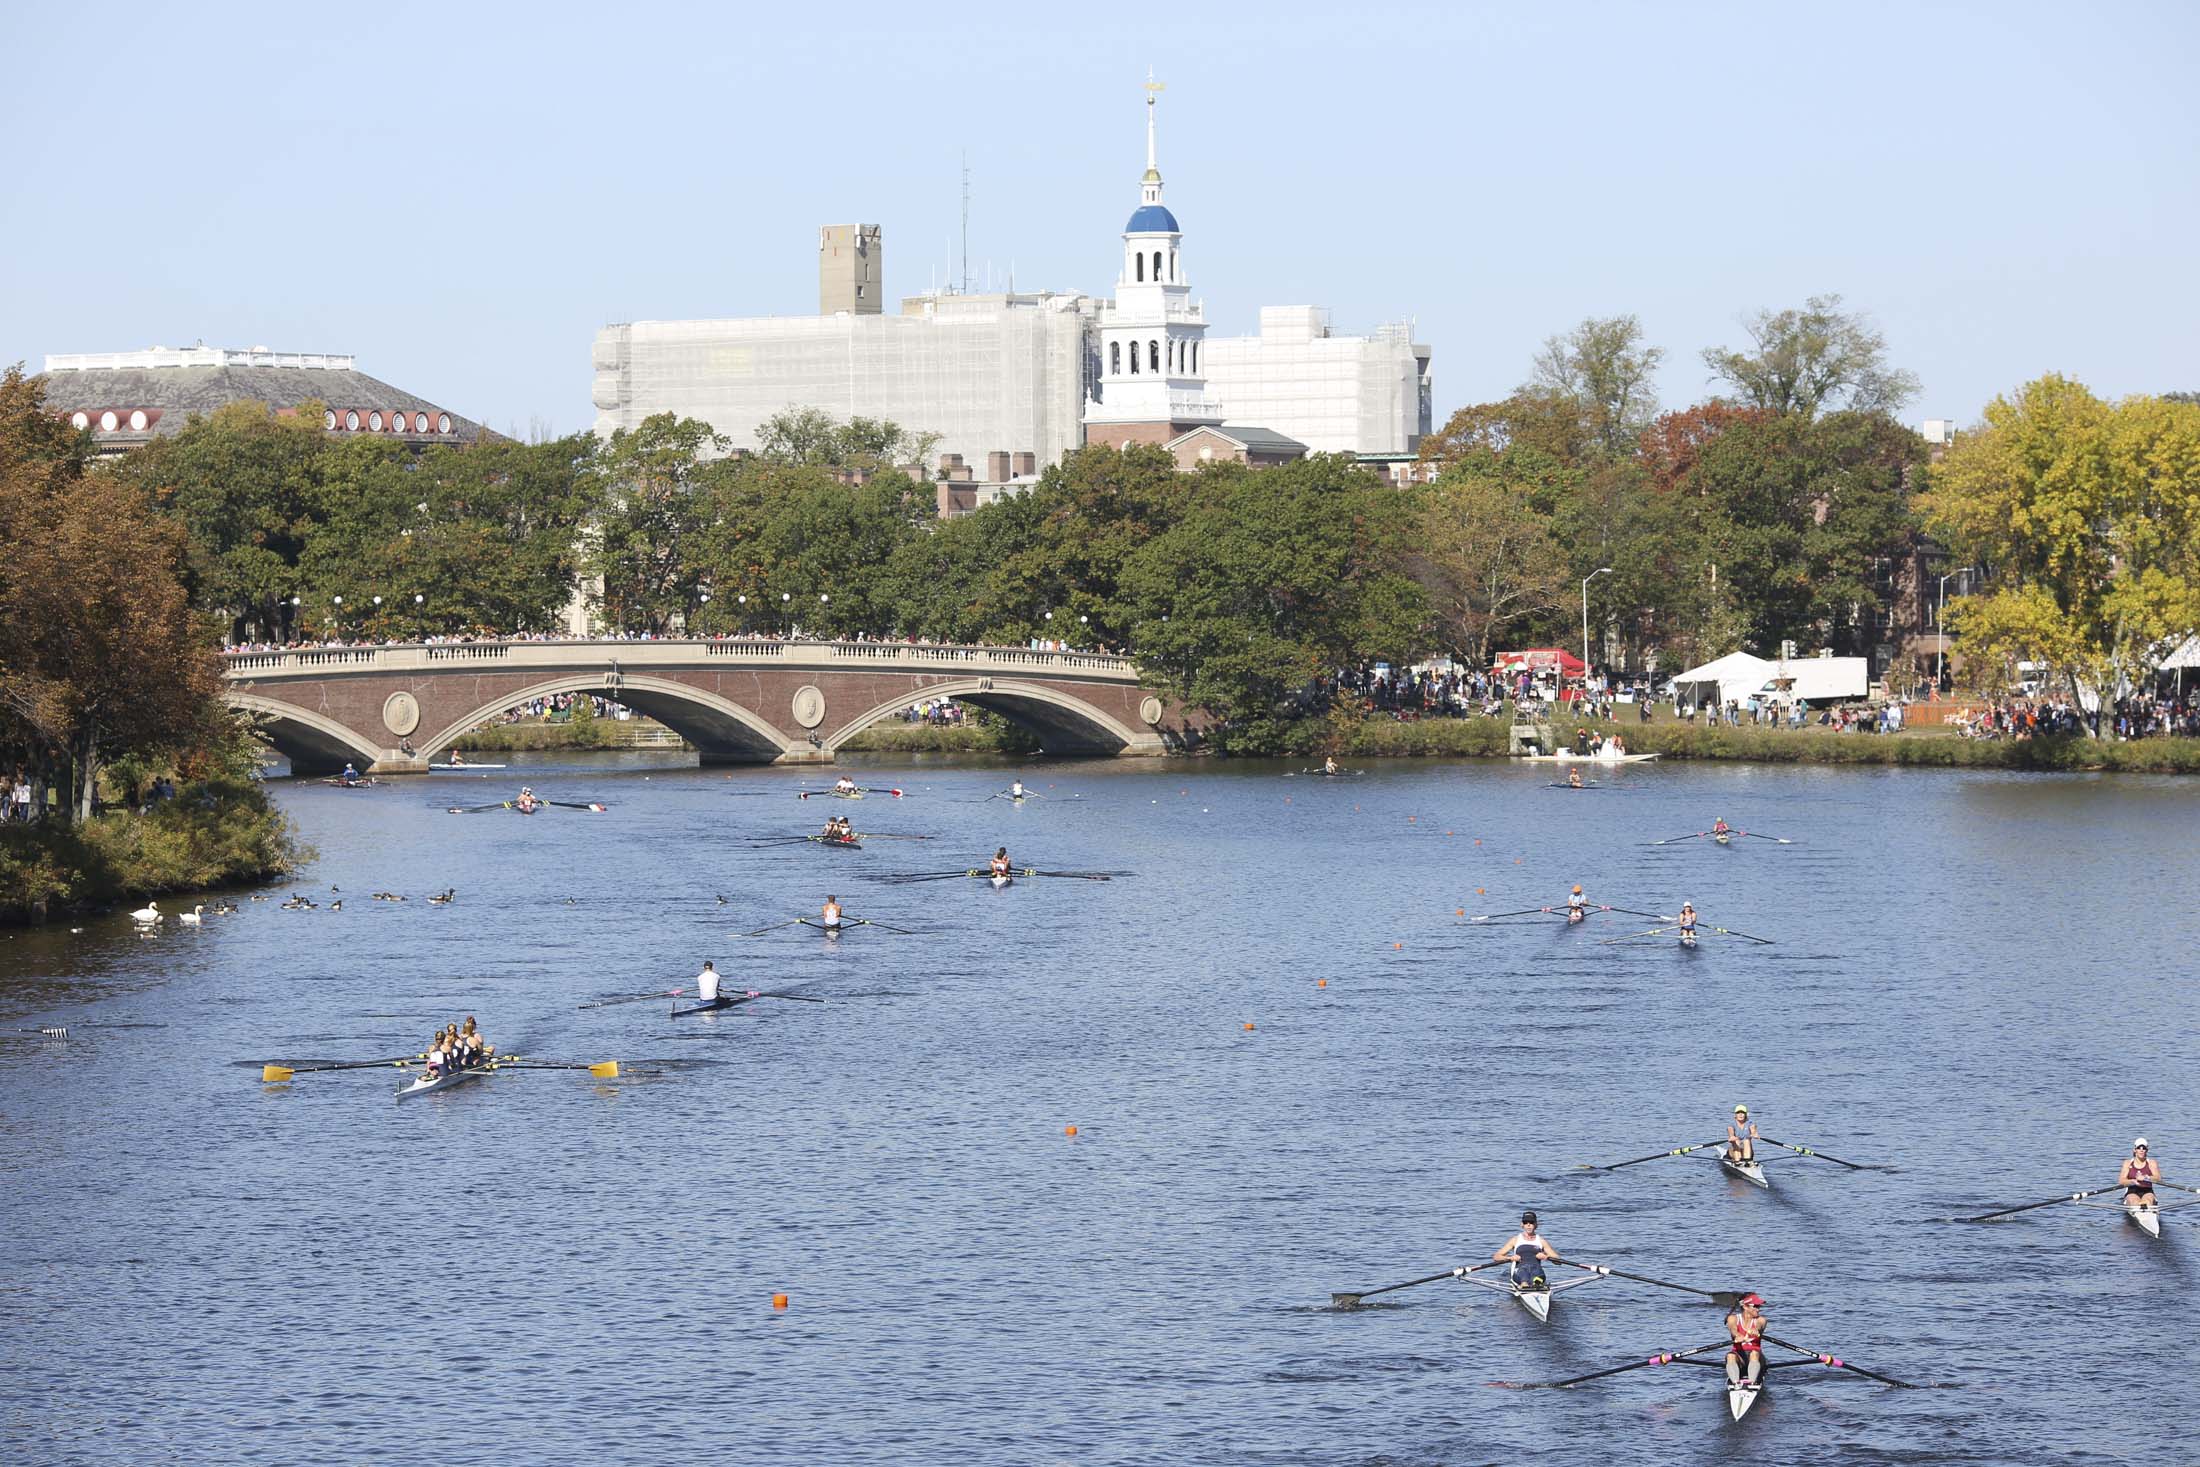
[[1981, 981]]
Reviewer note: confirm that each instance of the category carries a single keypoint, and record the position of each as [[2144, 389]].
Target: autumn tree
[[1487, 561], [1604, 369], [1818, 358]]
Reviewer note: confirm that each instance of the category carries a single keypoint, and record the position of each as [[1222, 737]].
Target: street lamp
[[1940, 624], [1604, 570]]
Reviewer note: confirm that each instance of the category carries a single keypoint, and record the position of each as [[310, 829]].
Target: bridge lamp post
[[1585, 580]]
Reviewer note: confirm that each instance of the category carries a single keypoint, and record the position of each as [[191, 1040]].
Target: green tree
[[813, 437], [1605, 369], [660, 485], [1487, 561], [1817, 358], [2086, 519]]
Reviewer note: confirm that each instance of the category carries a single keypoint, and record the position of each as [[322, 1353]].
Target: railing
[[635, 656]]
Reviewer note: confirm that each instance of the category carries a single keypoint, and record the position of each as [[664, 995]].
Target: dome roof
[[1152, 219]]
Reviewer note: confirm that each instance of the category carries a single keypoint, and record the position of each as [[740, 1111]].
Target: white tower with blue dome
[[1151, 385]]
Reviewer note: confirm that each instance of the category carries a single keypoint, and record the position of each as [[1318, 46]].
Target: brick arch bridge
[[739, 702]]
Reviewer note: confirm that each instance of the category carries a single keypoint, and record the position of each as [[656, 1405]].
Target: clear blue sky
[[461, 195]]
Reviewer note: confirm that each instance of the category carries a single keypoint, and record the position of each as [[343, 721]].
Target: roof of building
[[1248, 437], [1152, 219], [168, 388]]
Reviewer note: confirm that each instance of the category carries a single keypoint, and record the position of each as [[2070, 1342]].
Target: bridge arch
[[307, 739], [1064, 724], [718, 727]]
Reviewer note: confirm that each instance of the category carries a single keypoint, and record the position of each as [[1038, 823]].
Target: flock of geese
[[150, 916]]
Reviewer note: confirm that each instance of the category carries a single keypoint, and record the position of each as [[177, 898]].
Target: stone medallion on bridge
[[1150, 710], [809, 706], [401, 714]]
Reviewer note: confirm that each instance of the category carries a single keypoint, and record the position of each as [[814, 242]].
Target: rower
[[1741, 1136], [1745, 1357], [1687, 920], [832, 827], [829, 914], [1527, 1251], [2138, 1176], [526, 800], [1000, 862], [1015, 789], [1720, 827], [458, 760], [844, 786], [1573, 779], [1329, 764], [706, 984], [350, 774], [1577, 905], [482, 1048], [433, 1058]]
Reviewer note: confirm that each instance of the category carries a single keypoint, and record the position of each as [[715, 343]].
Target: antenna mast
[[966, 223]]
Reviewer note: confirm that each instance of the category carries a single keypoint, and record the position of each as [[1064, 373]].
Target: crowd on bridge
[[318, 644]]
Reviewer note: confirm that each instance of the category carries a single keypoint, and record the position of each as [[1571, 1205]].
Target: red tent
[[1542, 659]]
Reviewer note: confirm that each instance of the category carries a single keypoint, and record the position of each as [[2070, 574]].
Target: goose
[[193, 917], [337, 905], [148, 913], [443, 897]]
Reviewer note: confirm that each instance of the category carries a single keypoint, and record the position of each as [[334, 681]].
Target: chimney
[[996, 467], [1025, 465]]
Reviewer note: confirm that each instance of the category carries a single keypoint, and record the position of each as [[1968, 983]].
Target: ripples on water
[[1981, 979]]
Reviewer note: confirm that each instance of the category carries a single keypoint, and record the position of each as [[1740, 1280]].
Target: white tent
[[1731, 679], [1821, 679]]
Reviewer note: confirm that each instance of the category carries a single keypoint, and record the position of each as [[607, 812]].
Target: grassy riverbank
[[999, 737], [1474, 738], [580, 733], [218, 832]]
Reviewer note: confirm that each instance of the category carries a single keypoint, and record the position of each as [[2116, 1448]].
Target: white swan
[[193, 916], [148, 913]]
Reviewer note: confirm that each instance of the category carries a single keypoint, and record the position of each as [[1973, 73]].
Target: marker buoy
[[1069, 1130], [1397, 945], [1461, 912], [1248, 1026], [1321, 982], [779, 1301]]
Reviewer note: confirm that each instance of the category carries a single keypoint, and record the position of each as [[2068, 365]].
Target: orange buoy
[[1461, 912], [1248, 1026], [1321, 982], [1069, 1130], [779, 1301]]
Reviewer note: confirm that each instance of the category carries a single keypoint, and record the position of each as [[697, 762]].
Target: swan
[[193, 917], [150, 912]]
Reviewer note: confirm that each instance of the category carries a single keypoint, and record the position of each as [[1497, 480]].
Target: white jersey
[[1523, 1246], [1577, 901], [831, 914], [706, 985]]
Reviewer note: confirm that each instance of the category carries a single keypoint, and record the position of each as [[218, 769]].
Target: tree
[[1271, 579], [1604, 369], [816, 438], [2086, 518], [1487, 561], [656, 480], [1819, 357]]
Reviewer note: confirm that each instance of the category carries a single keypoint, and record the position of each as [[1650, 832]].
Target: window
[[1115, 359], [442, 422], [374, 422], [1195, 359], [1138, 262], [1134, 359], [1153, 355], [328, 419], [859, 292], [108, 421], [1157, 264], [1172, 264], [351, 420], [137, 420], [80, 421]]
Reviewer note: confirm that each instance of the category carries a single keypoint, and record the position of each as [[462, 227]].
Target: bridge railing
[[880, 656]]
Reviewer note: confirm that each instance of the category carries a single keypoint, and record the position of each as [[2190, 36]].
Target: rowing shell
[[1739, 1398], [460, 768], [443, 1081], [2148, 1218], [1001, 881], [834, 840], [1748, 1171], [1724, 838], [1568, 756], [722, 1001], [1537, 1301]]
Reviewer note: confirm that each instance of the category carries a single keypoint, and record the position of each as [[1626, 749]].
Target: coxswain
[[1687, 920], [1745, 1357], [829, 914], [1741, 1136], [844, 786], [1577, 905], [1573, 779], [1527, 1251], [2138, 1176], [1000, 863], [526, 800], [706, 984]]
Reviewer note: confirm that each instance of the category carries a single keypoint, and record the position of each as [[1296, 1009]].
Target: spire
[[1151, 184]]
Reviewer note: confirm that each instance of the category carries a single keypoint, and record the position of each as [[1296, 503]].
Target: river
[[1293, 1067]]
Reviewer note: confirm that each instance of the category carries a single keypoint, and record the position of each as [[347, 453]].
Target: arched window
[[1115, 359], [1153, 355], [1140, 260], [1134, 358], [1172, 265], [1157, 264], [1195, 359]]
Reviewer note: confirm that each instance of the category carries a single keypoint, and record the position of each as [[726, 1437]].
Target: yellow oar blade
[[270, 1074], [608, 1070]]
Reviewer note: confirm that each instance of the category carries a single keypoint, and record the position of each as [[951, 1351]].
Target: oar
[[274, 1074], [759, 932], [846, 923], [905, 877], [882, 835], [2174, 1186], [1653, 1156], [1630, 911], [569, 805], [1806, 1151], [2032, 1206], [477, 809], [1666, 1357], [633, 998], [1776, 840], [1523, 912], [1747, 936], [1675, 840], [1347, 1301], [1630, 937], [1079, 875], [1728, 1297], [873, 790], [789, 997], [782, 840], [1839, 1364], [607, 1070]]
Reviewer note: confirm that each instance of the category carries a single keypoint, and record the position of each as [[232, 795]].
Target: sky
[[461, 196]]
